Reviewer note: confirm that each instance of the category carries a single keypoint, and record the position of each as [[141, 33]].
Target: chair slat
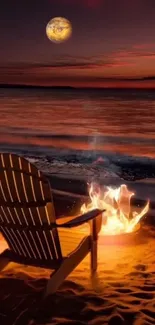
[[4, 217], [7, 178], [35, 184], [29, 243], [4, 187], [6, 234]]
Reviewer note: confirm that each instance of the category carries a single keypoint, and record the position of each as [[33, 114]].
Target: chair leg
[[94, 242], [67, 266], [93, 256]]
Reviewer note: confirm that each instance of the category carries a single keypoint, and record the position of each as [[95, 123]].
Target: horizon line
[[7, 85]]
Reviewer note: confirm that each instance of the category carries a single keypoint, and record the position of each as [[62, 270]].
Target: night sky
[[111, 40]]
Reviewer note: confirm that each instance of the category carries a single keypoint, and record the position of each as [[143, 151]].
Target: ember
[[119, 217]]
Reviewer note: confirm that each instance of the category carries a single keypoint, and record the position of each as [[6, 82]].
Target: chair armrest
[[77, 221], [90, 215]]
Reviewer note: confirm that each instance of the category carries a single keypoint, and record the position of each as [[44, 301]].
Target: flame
[[118, 217]]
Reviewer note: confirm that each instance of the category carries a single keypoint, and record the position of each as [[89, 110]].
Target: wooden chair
[[28, 223]]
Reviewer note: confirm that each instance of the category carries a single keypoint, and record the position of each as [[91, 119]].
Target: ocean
[[106, 129]]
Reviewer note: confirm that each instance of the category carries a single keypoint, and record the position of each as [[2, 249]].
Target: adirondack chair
[[29, 225]]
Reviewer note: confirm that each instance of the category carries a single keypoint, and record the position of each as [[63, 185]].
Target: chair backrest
[[26, 207]]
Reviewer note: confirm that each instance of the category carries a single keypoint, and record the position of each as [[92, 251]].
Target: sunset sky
[[111, 40]]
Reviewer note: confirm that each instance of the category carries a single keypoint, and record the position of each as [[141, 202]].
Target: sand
[[122, 291]]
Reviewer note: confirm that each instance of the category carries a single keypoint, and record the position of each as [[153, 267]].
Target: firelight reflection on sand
[[118, 216]]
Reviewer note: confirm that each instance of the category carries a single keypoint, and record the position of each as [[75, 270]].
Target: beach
[[94, 142], [121, 292]]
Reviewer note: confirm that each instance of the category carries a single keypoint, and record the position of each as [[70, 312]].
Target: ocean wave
[[127, 168]]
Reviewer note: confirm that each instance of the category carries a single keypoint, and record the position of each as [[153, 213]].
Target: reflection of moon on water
[[58, 29]]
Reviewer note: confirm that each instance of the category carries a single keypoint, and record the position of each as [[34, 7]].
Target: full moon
[[59, 29]]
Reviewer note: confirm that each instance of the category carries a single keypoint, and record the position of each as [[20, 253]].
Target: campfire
[[118, 217]]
